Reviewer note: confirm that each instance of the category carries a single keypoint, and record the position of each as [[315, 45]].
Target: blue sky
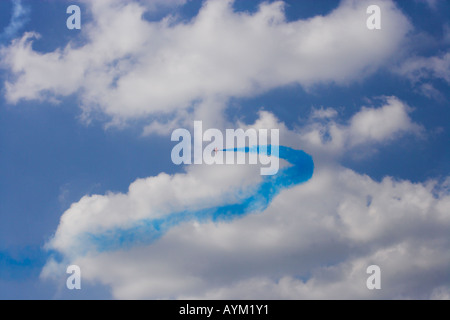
[[91, 141]]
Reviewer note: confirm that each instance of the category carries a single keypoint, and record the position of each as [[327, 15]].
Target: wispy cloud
[[431, 3], [422, 71], [19, 18]]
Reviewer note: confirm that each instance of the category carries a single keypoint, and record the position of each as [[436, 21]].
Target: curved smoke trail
[[147, 231]]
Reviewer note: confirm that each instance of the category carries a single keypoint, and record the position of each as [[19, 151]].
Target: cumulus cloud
[[129, 67], [368, 127], [340, 219], [314, 240], [380, 124]]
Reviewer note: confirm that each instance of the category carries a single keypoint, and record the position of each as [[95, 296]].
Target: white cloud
[[339, 219], [367, 127], [314, 240], [419, 68], [323, 113], [381, 124], [131, 68]]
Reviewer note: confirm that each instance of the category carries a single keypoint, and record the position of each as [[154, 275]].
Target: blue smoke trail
[[147, 231]]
